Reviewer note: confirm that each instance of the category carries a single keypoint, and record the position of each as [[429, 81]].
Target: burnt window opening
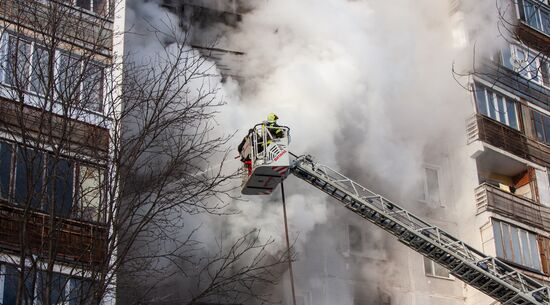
[[355, 239]]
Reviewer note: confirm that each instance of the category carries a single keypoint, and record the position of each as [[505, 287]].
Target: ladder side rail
[[413, 231], [391, 208], [386, 205]]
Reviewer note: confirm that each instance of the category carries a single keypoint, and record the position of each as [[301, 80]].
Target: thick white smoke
[[366, 86]]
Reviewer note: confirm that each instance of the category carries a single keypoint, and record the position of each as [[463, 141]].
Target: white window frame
[[4, 38], [494, 94], [537, 11], [92, 8], [426, 260], [522, 65], [4, 51]]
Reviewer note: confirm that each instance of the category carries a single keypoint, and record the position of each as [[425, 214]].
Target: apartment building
[[508, 139], [57, 64]]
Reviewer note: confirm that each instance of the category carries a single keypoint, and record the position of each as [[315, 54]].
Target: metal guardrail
[[493, 199], [485, 273], [479, 127], [77, 27]]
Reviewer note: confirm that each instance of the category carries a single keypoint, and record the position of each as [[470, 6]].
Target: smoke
[[366, 87]]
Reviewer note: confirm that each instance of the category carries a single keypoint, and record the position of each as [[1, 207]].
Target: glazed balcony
[[74, 240], [534, 23], [485, 129], [73, 25], [492, 199]]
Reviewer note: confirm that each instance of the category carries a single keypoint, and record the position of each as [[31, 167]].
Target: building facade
[[58, 61]]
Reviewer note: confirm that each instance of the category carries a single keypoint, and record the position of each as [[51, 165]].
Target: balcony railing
[[72, 240], [490, 198], [499, 135], [84, 138], [71, 24]]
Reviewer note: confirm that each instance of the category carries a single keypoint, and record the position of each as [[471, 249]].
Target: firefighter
[[245, 159], [272, 125]]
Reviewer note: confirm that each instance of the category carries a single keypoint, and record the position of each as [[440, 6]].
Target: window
[[41, 179], [541, 123], [63, 289], [432, 185], [10, 276], [60, 186], [516, 245], [432, 268], [355, 239], [26, 65], [496, 106], [92, 88], [5, 169], [29, 176], [97, 6], [40, 75], [536, 16], [17, 63], [531, 64], [69, 69], [90, 182]]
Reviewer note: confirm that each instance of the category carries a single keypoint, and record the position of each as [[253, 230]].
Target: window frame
[[92, 9], [494, 94], [426, 192], [542, 116], [76, 200], [5, 51], [432, 266], [79, 198], [506, 239], [98, 107], [537, 9], [522, 66]]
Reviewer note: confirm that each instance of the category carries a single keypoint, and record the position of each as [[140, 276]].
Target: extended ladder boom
[[487, 274]]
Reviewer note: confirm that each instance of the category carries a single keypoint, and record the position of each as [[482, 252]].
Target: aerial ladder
[[487, 274]]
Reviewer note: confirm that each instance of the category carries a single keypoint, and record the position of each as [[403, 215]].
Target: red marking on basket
[[280, 169]]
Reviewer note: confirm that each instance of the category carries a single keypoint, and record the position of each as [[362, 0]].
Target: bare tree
[[103, 164]]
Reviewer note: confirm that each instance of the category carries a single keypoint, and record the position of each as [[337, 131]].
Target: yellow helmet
[[272, 117]]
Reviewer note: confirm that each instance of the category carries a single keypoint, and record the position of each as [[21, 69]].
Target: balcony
[[534, 23], [39, 125], [501, 136], [492, 199], [75, 241], [72, 25]]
